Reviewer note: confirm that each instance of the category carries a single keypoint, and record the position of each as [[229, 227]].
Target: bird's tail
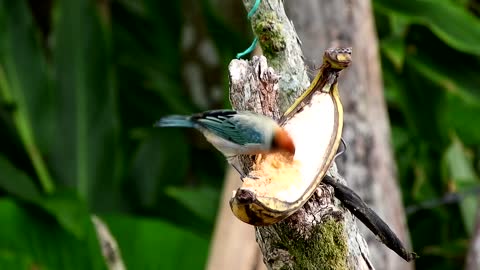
[[175, 121]]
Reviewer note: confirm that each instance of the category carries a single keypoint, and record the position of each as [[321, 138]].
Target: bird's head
[[282, 141]]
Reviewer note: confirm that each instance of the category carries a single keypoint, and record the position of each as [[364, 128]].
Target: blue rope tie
[[255, 41], [254, 9]]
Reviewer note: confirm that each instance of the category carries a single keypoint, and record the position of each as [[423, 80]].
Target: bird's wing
[[231, 128]]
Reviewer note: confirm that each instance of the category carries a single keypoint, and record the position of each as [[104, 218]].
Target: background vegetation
[[81, 83]]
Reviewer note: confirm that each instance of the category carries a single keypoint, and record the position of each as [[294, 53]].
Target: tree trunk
[[321, 234], [321, 227], [368, 161], [368, 164], [473, 255]]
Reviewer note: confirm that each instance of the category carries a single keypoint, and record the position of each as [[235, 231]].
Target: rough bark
[[368, 164], [321, 234], [473, 255], [281, 46]]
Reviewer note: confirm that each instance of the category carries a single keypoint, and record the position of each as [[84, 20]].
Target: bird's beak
[[284, 141]]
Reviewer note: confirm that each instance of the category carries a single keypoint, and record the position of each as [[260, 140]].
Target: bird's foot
[[242, 174]]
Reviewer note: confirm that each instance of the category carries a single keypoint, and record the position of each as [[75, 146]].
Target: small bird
[[235, 132]]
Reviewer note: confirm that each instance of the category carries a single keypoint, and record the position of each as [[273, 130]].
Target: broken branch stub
[[281, 183], [254, 93]]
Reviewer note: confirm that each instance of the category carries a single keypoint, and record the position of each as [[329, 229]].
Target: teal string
[[255, 41], [254, 9], [249, 49]]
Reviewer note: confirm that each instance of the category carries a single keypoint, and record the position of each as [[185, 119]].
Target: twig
[[108, 245]]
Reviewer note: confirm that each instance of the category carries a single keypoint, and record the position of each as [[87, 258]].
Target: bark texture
[[321, 235], [281, 46], [473, 256], [368, 164]]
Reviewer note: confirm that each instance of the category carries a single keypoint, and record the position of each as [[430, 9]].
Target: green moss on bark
[[268, 29], [328, 249]]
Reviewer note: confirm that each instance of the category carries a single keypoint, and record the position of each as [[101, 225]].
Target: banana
[[281, 183]]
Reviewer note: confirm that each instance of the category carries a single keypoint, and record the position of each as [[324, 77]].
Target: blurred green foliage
[[430, 64], [81, 83]]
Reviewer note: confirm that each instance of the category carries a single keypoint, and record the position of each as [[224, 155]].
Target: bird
[[235, 133]]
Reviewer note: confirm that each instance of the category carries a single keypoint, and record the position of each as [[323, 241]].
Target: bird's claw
[[243, 176]]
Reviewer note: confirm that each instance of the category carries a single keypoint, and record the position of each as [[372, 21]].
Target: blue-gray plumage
[[235, 132]]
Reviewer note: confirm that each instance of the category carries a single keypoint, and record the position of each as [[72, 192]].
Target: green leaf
[[460, 86], [423, 189], [86, 152], [29, 239], [14, 260], [161, 159], [393, 86], [450, 22], [459, 115], [25, 85], [399, 25], [412, 92], [462, 173], [202, 201], [69, 211], [152, 244], [153, 56], [394, 49], [169, 92], [453, 249], [400, 138], [17, 182]]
